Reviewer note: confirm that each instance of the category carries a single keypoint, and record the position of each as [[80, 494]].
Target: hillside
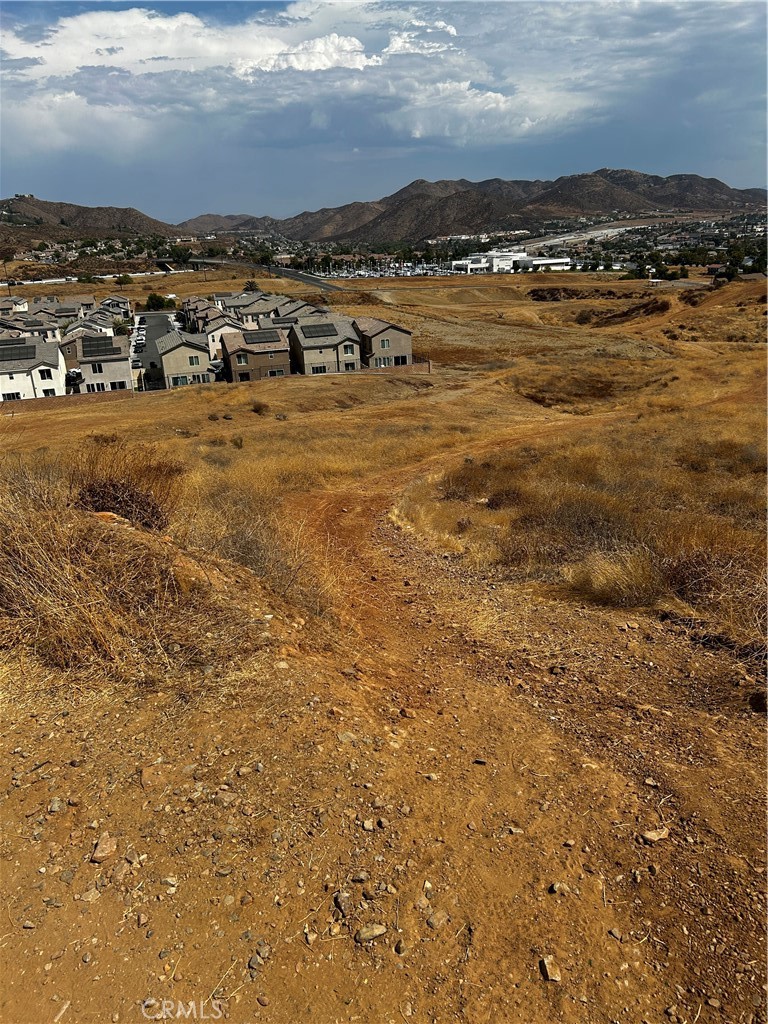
[[424, 209], [391, 697], [60, 220]]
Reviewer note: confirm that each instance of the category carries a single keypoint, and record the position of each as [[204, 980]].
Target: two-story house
[[383, 344], [324, 345], [97, 362], [252, 355], [30, 369]]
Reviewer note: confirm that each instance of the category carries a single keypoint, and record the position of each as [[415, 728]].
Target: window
[[46, 375], [244, 376], [242, 359], [177, 382], [384, 343], [49, 392], [349, 366], [118, 385], [194, 360], [349, 350], [12, 396], [92, 388], [10, 376], [276, 373], [383, 360], [97, 368], [319, 369], [401, 360]]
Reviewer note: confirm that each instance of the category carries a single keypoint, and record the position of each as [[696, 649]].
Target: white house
[[30, 369]]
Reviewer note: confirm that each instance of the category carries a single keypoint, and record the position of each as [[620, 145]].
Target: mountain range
[[423, 209]]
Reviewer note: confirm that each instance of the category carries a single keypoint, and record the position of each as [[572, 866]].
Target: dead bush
[[136, 482], [621, 578], [259, 407]]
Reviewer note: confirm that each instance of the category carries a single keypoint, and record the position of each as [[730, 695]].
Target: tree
[[121, 327], [154, 301], [250, 286], [123, 280]]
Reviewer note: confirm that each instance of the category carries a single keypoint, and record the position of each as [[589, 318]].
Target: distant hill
[[422, 209], [425, 209], [66, 220]]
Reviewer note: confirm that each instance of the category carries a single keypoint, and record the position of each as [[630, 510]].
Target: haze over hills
[[420, 210]]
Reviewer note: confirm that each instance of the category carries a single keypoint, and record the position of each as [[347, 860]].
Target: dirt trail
[[481, 795]]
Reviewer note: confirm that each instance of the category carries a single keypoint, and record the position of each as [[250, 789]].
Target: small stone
[[655, 835], [87, 958], [480, 760], [559, 887], [105, 848], [369, 825], [346, 737], [616, 934], [407, 713], [400, 948], [714, 1002], [569, 843], [653, 869], [438, 919], [369, 932], [430, 777], [56, 806], [141, 920], [244, 770], [282, 665], [360, 876], [170, 880], [90, 896], [549, 969], [28, 925], [262, 1000]]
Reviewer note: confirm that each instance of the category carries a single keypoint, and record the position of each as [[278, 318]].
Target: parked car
[[136, 364]]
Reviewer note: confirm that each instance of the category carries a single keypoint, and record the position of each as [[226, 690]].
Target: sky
[[186, 108]]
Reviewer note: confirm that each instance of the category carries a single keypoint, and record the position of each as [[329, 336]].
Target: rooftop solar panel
[[93, 347], [262, 337], [14, 352], [319, 331]]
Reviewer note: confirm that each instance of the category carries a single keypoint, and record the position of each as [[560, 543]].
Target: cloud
[[373, 77]]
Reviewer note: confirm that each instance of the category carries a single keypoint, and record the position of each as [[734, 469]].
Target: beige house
[[324, 345], [97, 362], [383, 344], [185, 360]]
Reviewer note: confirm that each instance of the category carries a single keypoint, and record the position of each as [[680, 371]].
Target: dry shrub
[[259, 407], [82, 593], [622, 578], [133, 481]]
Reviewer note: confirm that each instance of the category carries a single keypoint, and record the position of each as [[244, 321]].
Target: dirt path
[[470, 766]]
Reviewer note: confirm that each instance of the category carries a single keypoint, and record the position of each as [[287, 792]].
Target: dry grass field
[[475, 657]]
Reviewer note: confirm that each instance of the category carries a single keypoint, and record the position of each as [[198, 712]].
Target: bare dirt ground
[[550, 811]]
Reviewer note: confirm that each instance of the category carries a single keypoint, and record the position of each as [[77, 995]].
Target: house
[[185, 360], [117, 306], [383, 344], [97, 362], [30, 369], [267, 305], [324, 345], [215, 331], [251, 355]]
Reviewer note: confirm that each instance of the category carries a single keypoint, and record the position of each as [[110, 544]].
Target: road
[[157, 325]]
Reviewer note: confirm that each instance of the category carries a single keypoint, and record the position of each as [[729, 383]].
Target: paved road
[[257, 268], [158, 324]]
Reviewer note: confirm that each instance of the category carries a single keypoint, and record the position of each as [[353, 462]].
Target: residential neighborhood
[[73, 345]]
